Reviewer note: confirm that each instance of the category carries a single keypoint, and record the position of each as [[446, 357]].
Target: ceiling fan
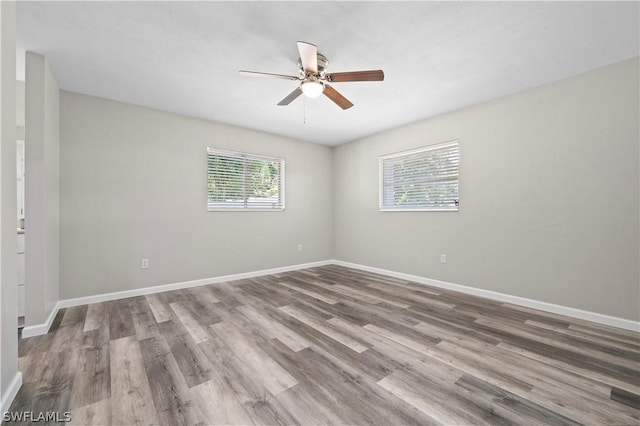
[[314, 78]]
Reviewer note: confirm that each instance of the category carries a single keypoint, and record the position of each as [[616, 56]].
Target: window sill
[[245, 210], [419, 210]]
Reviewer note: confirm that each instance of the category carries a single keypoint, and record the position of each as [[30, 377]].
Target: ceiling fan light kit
[[314, 79], [312, 88]]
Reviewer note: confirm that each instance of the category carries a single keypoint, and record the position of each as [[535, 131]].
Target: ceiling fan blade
[[267, 74], [308, 56], [336, 97], [373, 75], [290, 97]]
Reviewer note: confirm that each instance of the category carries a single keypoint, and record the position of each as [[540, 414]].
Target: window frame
[[248, 156], [428, 148]]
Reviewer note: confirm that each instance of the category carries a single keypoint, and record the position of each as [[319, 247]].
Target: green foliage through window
[[244, 181]]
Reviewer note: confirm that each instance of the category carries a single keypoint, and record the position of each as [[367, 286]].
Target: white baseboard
[[507, 298], [10, 394], [39, 329]]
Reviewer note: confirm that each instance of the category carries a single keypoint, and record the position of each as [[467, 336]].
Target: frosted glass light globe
[[312, 89]]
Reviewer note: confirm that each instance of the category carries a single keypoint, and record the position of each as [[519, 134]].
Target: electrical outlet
[[443, 258], [144, 263], [299, 247]]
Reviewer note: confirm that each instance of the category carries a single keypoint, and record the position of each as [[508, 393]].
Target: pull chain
[[304, 110]]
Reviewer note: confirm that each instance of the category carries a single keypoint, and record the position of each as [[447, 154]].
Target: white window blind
[[421, 179], [241, 181]]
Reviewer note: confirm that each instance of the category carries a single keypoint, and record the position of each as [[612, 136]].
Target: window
[[239, 181], [421, 179]]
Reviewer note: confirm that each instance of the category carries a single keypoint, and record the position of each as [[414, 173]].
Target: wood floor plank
[[380, 314], [161, 311], [96, 414], [96, 316], [306, 409], [601, 330], [203, 313], [272, 375], [581, 346], [120, 320], [144, 321], [74, 315], [340, 293], [327, 345], [172, 400], [365, 297], [575, 368], [578, 324], [232, 314], [225, 294], [275, 329], [445, 330], [194, 365], [310, 293], [66, 337], [355, 400], [92, 379], [371, 363], [581, 410], [603, 340], [435, 404], [413, 287], [534, 371], [412, 360], [57, 320], [275, 296], [36, 363], [323, 328], [34, 344], [197, 331], [411, 298], [592, 361], [231, 374], [219, 404], [52, 391], [625, 397], [131, 399], [397, 338], [523, 410], [477, 365], [204, 294], [568, 393]]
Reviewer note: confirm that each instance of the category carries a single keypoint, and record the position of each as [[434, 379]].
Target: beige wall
[[133, 186], [42, 189], [549, 198], [20, 103], [8, 243], [548, 192]]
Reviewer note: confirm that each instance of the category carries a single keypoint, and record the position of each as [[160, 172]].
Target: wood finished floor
[[328, 345]]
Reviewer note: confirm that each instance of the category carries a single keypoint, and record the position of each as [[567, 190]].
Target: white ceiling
[[184, 57]]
